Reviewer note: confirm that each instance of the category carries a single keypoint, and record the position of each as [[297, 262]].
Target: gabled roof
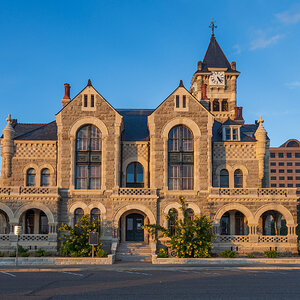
[[46, 132], [135, 124]]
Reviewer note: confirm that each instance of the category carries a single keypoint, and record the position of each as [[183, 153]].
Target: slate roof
[[33, 132], [135, 124]]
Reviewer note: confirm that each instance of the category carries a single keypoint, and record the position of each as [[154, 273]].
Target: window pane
[[238, 179], [187, 177], [30, 180], [187, 139], [130, 173], [81, 178], [82, 138], [227, 133], [78, 214], [224, 178], [139, 173], [174, 176], [94, 177], [45, 177], [174, 139], [95, 139], [95, 214]]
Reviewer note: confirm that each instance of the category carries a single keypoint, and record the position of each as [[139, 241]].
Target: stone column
[[232, 222]]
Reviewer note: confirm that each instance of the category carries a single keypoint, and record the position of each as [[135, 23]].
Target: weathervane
[[213, 26]]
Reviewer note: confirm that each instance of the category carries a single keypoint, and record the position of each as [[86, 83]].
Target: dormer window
[[231, 133]]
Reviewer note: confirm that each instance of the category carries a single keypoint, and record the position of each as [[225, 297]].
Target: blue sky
[[135, 53]]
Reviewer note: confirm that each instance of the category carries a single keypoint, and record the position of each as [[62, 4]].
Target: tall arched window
[[78, 214], [224, 105], [95, 214], [181, 159], [224, 178], [171, 223], [45, 177], [135, 175], [190, 214], [88, 158], [30, 177], [216, 105], [238, 178]]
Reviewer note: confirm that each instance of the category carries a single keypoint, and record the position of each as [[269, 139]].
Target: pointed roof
[[214, 56]]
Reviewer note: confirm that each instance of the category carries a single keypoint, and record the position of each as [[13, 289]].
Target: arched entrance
[[34, 221], [134, 227], [234, 222], [4, 226]]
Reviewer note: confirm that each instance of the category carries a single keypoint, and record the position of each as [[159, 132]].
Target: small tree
[[75, 241], [190, 237]]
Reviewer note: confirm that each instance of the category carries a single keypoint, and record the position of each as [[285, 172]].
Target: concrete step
[[133, 251]]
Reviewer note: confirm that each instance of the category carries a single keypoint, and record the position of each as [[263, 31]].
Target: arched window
[[224, 105], [45, 177], [181, 159], [190, 214], [171, 223], [238, 178], [135, 175], [30, 177], [224, 178], [88, 158], [78, 214], [95, 214], [216, 105]]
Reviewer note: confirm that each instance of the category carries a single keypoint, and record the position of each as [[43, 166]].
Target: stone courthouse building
[[128, 167]]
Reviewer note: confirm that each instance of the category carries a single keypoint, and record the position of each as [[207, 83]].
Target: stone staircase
[[133, 251]]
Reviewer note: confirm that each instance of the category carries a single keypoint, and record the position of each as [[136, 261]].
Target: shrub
[[24, 254], [228, 254], [101, 253], [163, 252], [191, 237], [250, 255], [40, 253], [271, 253], [75, 241]]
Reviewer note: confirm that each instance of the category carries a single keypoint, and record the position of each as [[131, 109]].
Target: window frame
[[135, 183]]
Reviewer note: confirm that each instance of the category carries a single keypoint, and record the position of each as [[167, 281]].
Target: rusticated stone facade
[[129, 167]]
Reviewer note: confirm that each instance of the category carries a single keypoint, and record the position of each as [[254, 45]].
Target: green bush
[[271, 253], [228, 254], [191, 237], [24, 254], [250, 255], [75, 241], [40, 253], [163, 252], [101, 253]]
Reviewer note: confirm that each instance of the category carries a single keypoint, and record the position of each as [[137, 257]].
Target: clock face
[[217, 78]]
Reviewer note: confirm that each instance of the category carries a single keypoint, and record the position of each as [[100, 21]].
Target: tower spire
[[213, 26]]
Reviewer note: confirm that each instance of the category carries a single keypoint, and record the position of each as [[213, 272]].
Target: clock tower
[[214, 82]]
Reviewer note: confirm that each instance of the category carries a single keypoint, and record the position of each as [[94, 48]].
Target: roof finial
[[213, 26], [89, 83], [181, 83], [260, 121]]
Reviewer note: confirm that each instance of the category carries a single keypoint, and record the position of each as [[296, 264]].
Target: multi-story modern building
[[284, 165], [128, 167]]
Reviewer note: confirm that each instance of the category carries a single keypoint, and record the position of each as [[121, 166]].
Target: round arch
[[234, 206], [181, 121], [8, 211], [51, 170], [218, 170], [100, 206], [140, 160], [88, 120], [195, 208], [79, 204], [140, 207], [278, 207], [39, 206]]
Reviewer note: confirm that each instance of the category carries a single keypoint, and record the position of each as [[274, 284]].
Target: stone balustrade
[[28, 190], [135, 192]]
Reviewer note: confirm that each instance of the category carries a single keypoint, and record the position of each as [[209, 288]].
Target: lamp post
[[17, 232]]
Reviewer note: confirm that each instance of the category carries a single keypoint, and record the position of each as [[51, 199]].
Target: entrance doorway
[[134, 230]]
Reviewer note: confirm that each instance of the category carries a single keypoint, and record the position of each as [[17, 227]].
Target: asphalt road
[[188, 283]]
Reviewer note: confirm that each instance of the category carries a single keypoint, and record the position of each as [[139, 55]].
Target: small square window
[[290, 178], [184, 101], [290, 185], [297, 177], [177, 101], [297, 184], [273, 177], [273, 164], [297, 164], [281, 171], [281, 185], [289, 171], [280, 155], [297, 155], [297, 192], [281, 177], [289, 155], [272, 154], [273, 171], [281, 164], [298, 171], [273, 185], [289, 164]]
